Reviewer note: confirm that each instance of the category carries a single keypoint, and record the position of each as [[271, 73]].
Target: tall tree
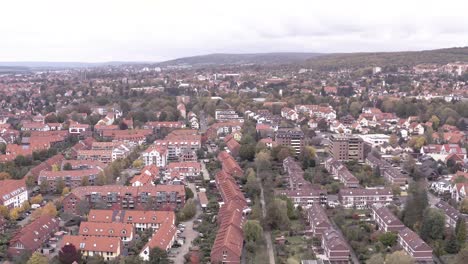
[[416, 203], [252, 231], [452, 246], [37, 258], [460, 231], [69, 254], [399, 257], [433, 224], [158, 256]]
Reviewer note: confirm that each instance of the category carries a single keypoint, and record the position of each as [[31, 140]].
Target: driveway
[[188, 232]]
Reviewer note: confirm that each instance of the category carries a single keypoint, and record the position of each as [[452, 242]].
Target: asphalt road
[[188, 232]]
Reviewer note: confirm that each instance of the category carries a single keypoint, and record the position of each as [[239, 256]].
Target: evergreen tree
[[452, 246]]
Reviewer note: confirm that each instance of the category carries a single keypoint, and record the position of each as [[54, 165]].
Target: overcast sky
[[155, 30]]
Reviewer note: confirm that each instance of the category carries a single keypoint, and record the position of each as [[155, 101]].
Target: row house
[[451, 214], [289, 114], [414, 245], [101, 129], [140, 219], [335, 247], [104, 156], [46, 165], [229, 241], [121, 151], [82, 164], [157, 126], [13, 193], [441, 152], [84, 144], [395, 177], [341, 172], [222, 128], [155, 155], [126, 197], [146, 177], [385, 219], [363, 198], [232, 145], [184, 170], [305, 197], [180, 145], [229, 189], [108, 247], [318, 111], [163, 238], [318, 220], [34, 126], [375, 163], [133, 137], [295, 174], [70, 178], [32, 236], [230, 165], [123, 231]]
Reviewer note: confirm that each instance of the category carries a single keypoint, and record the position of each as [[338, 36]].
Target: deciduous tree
[[399, 257], [37, 258], [69, 254], [252, 231]]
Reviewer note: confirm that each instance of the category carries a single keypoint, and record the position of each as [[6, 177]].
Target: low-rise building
[[123, 231], [107, 247], [335, 247], [32, 236], [318, 220], [13, 193], [118, 197], [414, 245], [385, 219], [363, 198]]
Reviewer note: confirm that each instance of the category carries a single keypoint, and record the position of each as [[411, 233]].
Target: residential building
[[340, 172], [346, 148], [141, 220], [108, 247], [451, 214], [118, 197], [305, 197], [290, 137], [147, 176], [155, 155], [69, 178], [318, 220], [32, 236], [414, 245], [227, 115], [363, 198], [335, 247], [188, 170], [13, 193], [385, 219], [123, 231]]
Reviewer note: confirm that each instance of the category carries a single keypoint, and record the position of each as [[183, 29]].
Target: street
[[188, 232], [266, 233]]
